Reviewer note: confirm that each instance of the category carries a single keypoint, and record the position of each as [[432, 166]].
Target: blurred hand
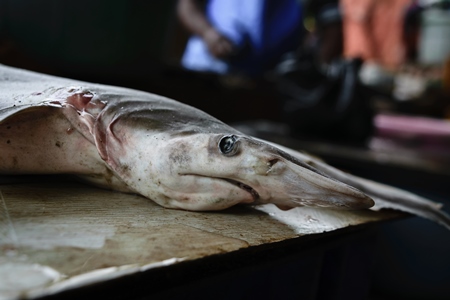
[[218, 45]]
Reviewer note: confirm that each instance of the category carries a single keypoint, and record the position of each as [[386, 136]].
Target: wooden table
[[63, 238]]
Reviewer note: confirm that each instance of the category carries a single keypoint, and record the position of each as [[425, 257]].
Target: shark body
[[169, 152]]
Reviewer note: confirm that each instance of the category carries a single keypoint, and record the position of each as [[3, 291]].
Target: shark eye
[[228, 145]]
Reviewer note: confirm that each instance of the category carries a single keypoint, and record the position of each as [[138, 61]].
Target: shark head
[[221, 170], [215, 171], [183, 158]]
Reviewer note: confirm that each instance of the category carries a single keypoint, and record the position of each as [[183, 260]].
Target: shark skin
[[169, 152]]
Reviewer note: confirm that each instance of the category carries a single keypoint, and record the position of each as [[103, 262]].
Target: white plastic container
[[434, 42]]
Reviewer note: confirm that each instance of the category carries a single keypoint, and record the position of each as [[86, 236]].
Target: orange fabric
[[373, 30]]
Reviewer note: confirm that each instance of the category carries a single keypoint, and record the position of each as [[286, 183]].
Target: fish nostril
[[273, 166], [272, 162]]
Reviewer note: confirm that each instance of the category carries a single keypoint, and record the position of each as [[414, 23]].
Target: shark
[[172, 153]]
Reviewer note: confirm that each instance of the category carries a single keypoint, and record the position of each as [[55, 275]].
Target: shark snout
[[288, 182]]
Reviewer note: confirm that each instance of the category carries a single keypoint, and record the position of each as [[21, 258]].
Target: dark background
[[134, 43]]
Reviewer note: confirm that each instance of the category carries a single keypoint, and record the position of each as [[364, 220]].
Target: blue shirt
[[261, 30]]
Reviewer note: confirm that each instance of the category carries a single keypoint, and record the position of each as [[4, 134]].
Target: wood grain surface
[[64, 233]]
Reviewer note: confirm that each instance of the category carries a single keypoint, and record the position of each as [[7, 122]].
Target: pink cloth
[[373, 30], [401, 125]]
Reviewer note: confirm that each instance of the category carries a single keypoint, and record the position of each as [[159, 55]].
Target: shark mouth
[[240, 185], [245, 187]]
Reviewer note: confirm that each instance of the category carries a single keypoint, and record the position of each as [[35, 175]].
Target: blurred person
[[373, 31], [244, 37]]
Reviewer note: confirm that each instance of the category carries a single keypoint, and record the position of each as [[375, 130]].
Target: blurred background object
[[373, 30], [236, 37], [434, 44]]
